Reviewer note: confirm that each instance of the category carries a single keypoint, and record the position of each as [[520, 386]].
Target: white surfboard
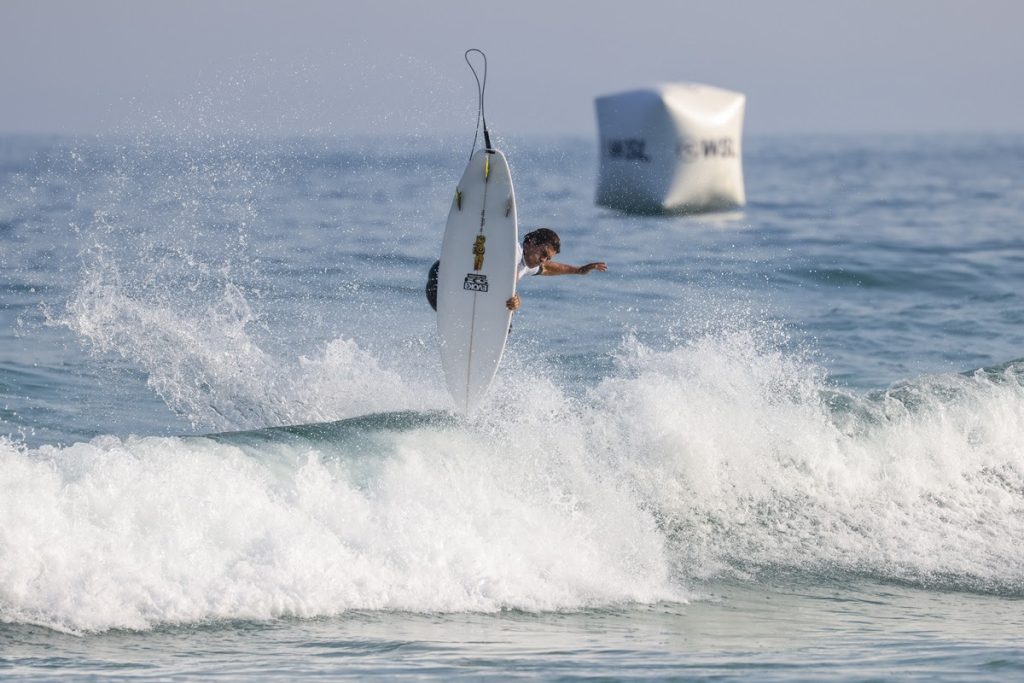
[[477, 276]]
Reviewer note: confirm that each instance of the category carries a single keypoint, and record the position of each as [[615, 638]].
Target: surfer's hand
[[513, 303], [600, 266]]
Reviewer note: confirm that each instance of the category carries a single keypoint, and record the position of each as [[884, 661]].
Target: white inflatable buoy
[[671, 148]]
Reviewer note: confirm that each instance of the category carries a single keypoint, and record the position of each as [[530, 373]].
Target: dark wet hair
[[543, 236]]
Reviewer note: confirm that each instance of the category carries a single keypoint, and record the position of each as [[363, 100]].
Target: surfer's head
[[539, 246]]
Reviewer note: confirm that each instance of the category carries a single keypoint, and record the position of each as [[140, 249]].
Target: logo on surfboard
[[475, 283], [478, 252]]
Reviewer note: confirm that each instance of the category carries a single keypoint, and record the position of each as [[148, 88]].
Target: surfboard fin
[[458, 199], [508, 206]]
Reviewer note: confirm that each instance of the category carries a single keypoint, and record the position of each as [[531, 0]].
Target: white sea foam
[[718, 457], [207, 366], [147, 530], [752, 462]]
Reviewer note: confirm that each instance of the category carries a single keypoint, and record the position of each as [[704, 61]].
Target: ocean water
[[785, 442]]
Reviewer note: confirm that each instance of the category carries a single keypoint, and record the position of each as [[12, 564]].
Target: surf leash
[[481, 114]]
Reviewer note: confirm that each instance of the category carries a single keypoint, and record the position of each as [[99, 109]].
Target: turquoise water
[[782, 442]]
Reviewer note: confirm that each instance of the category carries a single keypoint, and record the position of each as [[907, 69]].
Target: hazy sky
[[396, 66]]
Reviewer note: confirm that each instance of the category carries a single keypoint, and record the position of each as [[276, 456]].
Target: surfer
[[539, 247]]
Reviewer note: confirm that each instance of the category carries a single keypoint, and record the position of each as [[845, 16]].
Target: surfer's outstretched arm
[[555, 268]]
